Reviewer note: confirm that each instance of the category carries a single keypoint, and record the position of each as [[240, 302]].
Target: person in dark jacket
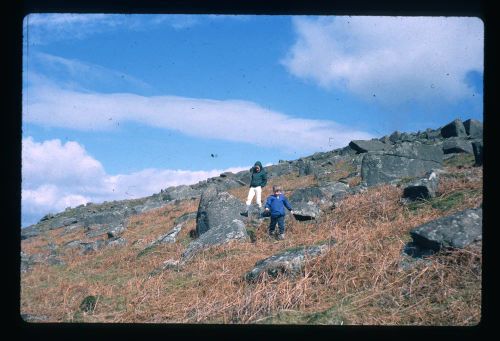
[[276, 204], [259, 180]]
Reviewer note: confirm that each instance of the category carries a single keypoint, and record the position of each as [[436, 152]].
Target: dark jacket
[[277, 204], [258, 178]]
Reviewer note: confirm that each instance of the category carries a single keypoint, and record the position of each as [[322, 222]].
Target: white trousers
[[252, 192]]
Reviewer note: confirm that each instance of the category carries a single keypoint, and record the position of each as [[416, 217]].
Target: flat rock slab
[[456, 145], [221, 234], [364, 146], [289, 262], [454, 231], [402, 161]]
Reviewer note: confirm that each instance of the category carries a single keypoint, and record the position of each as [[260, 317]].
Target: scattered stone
[[116, 241], [34, 318], [422, 188], [89, 303], [115, 231]]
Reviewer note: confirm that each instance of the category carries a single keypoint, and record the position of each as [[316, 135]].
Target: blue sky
[[122, 106]]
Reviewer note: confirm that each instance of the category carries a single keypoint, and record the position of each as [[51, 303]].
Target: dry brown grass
[[357, 282]]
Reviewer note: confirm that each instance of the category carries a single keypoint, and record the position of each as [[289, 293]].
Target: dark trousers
[[281, 223]]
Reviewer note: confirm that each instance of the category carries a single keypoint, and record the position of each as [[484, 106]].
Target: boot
[[245, 213]]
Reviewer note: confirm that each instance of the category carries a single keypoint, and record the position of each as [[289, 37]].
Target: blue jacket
[[277, 204]]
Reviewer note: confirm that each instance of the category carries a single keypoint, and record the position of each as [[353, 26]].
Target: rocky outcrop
[[94, 216], [474, 129], [288, 262], [455, 128], [179, 192], [404, 160], [282, 168], [386, 160], [217, 209], [218, 221], [29, 261]]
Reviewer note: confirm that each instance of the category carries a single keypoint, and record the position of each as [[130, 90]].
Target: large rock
[[218, 221], [457, 145], [288, 262], [364, 146], [305, 203], [405, 160], [234, 230], [454, 231], [474, 128], [217, 209], [455, 128], [335, 191], [306, 210]]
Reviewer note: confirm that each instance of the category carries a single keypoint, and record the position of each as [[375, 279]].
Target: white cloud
[[81, 73], [57, 175], [44, 28], [230, 120], [396, 58], [51, 161]]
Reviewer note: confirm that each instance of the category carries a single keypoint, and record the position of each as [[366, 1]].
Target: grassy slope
[[357, 282]]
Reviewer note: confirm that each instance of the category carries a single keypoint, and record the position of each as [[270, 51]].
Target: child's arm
[[268, 203], [287, 204]]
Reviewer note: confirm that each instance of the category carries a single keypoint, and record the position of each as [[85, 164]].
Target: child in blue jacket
[[276, 204]]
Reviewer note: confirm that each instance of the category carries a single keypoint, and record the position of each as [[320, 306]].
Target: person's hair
[[276, 188]]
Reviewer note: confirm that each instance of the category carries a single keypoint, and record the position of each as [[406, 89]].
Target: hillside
[[386, 232]]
